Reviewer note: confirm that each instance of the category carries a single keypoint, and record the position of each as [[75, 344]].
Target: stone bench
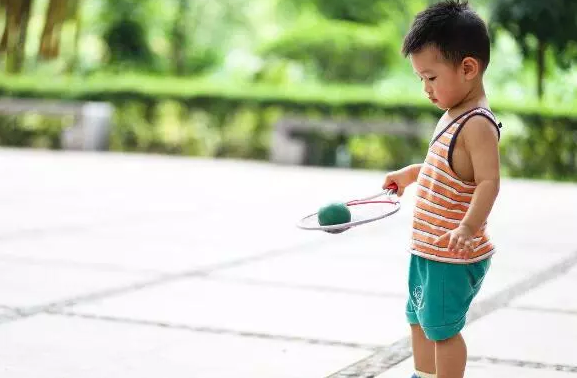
[[289, 145], [92, 120]]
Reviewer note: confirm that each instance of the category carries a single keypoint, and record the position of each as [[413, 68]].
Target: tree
[[203, 30], [15, 31], [126, 34], [179, 40], [540, 26], [361, 11], [13, 40]]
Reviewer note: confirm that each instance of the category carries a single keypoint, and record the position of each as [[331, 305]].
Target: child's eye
[[432, 78]]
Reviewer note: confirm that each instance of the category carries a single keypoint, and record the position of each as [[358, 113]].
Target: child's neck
[[475, 98]]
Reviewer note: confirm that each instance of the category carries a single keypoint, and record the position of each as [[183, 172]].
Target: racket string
[[373, 208]]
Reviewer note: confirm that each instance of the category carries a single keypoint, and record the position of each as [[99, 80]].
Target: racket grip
[[393, 187]]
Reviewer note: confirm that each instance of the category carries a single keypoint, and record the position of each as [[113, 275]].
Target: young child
[[448, 46]]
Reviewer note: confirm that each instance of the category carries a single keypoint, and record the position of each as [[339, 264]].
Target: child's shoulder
[[478, 122], [482, 123], [478, 129]]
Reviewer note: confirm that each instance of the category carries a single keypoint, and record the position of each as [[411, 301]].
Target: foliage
[[200, 33], [200, 117], [358, 11], [338, 51], [548, 151], [126, 34], [537, 26]]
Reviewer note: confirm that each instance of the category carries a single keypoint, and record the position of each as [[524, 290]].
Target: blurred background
[[215, 78]]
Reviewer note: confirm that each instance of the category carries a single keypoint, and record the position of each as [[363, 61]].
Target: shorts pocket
[[476, 273]]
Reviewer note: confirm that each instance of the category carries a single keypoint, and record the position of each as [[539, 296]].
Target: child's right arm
[[403, 177]]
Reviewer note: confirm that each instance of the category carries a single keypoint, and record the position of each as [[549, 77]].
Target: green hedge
[[203, 117], [338, 51]]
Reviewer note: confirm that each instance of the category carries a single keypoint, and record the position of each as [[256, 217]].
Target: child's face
[[445, 85]]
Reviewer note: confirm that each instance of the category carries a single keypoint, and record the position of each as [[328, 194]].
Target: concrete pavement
[[146, 266]]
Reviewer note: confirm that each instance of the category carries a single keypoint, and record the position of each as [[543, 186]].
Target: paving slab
[[556, 295], [484, 370], [330, 267], [54, 346], [280, 311], [522, 335], [30, 284]]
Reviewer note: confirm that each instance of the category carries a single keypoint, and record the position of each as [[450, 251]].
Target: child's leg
[[451, 357], [440, 296], [423, 351]]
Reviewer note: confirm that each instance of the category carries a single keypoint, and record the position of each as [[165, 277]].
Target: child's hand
[[402, 178], [460, 241]]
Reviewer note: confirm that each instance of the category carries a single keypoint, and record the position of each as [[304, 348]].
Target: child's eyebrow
[[423, 72]]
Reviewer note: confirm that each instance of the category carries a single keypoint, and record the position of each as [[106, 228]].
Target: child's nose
[[427, 87]]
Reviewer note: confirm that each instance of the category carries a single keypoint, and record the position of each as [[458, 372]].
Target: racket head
[[363, 211]]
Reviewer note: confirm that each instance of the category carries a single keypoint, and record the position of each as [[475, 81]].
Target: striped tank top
[[443, 198]]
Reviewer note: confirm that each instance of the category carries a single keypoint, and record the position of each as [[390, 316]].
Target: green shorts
[[440, 294]]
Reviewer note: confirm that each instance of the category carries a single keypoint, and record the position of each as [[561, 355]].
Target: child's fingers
[[460, 244], [443, 238], [453, 243], [467, 247], [388, 181]]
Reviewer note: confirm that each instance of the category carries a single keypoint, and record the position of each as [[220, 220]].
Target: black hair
[[452, 27]]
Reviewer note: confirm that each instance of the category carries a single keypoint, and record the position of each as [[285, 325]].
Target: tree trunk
[[56, 14], [541, 48], [76, 16], [16, 45], [179, 38], [20, 55]]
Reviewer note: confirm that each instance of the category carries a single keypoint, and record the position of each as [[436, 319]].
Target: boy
[[448, 46]]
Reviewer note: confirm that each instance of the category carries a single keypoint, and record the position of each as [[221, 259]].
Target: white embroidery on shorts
[[417, 298]]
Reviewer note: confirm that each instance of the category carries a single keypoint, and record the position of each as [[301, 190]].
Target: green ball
[[334, 213]]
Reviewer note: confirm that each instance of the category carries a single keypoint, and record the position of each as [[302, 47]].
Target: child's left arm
[[481, 141]]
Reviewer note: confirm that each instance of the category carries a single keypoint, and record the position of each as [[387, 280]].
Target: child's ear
[[470, 67]]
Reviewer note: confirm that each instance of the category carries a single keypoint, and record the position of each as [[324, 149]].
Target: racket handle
[[392, 187]]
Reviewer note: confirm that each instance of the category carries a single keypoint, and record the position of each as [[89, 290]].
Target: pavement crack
[[525, 364], [217, 330]]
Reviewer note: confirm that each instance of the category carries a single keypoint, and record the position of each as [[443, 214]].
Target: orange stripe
[[418, 217], [429, 171], [454, 126], [427, 228], [422, 193], [441, 164], [423, 238], [446, 192], [446, 140], [483, 237], [450, 255], [444, 213], [435, 159], [444, 167], [425, 249], [435, 222], [486, 249], [443, 139], [440, 151]]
